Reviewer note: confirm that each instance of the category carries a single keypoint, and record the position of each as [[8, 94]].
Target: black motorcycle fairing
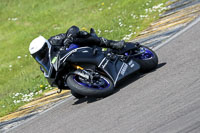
[[113, 66], [109, 63], [56, 62], [64, 58], [117, 69], [83, 55]]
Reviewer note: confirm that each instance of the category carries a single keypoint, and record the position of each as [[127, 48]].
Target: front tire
[[84, 89], [76, 95]]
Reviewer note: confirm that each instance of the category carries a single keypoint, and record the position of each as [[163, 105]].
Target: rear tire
[[148, 64], [80, 88]]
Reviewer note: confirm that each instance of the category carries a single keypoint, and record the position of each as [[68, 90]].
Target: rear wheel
[[148, 60], [100, 87]]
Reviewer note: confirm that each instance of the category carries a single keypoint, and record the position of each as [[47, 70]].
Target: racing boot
[[128, 46], [112, 44], [117, 44], [93, 33]]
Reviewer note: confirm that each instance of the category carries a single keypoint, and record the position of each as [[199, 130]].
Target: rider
[[83, 38], [39, 46]]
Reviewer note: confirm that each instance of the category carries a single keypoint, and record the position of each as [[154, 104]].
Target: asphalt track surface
[[165, 100]]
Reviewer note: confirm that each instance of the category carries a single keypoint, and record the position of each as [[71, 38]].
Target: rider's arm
[[58, 39]]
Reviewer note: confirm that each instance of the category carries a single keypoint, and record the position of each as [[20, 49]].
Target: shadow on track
[[123, 83]]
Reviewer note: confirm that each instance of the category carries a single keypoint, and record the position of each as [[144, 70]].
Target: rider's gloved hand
[[68, 41]]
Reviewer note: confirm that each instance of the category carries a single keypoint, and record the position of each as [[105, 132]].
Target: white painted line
[[177, 34], [51, 93]]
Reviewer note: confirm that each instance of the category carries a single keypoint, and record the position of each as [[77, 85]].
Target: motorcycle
[[93, 71]]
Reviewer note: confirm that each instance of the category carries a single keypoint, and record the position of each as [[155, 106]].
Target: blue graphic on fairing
[[72, 46]]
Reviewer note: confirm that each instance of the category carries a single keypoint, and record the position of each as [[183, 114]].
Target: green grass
[[21, 21]]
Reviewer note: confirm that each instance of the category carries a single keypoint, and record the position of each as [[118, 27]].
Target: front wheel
[[98, 88], [76, 95], [148, 59]]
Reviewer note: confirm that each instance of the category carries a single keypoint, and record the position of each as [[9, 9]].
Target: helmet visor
[[42, 57]]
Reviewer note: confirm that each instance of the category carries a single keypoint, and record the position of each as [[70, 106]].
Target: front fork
[[87, 75], [77, 71]]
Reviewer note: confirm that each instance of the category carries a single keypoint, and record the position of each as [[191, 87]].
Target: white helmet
[[39, 49], [37, 44]]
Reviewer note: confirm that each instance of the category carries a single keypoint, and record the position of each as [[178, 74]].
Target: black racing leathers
[[74, 35], [83, 38]]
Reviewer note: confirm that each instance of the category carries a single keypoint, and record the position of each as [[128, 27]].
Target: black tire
[[150, 64], [76, 95], [88, 91]]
